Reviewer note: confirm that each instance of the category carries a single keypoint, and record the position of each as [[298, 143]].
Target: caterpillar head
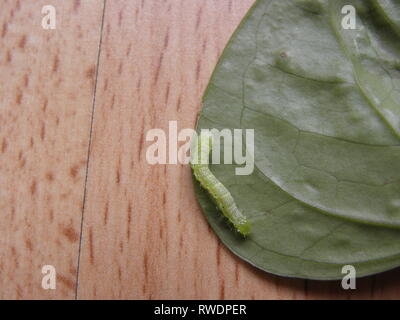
[[243, 228]]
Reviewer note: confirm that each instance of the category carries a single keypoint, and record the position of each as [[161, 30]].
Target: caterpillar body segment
[[219, 193]]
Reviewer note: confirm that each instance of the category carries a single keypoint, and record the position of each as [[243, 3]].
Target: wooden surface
[[76, 190]]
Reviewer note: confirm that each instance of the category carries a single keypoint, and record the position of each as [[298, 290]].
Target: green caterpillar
[[220, 194]]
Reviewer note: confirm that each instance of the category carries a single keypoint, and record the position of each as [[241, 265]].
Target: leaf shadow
[[376, 287]]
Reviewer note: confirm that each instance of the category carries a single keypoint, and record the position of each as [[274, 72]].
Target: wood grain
[[63, 163], [143, 230], [47, 80]]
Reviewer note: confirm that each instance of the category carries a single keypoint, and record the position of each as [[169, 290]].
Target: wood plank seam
[[89, 147]]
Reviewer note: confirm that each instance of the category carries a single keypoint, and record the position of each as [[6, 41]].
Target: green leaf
[[390, 12], [325, 105]]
